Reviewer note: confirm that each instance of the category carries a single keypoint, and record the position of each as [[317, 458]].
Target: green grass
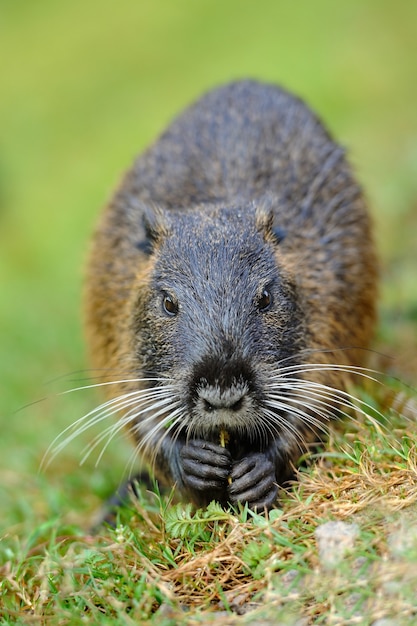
[[84, 87]]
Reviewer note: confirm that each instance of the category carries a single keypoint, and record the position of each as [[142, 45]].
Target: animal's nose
[[214, 398]]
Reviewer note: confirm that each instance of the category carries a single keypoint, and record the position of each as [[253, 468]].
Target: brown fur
[[259, 153]]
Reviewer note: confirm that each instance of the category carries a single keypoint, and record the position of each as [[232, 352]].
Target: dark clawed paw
[[206, 466], [253, 481]]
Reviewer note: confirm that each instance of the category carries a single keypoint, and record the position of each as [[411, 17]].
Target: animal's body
[[231, 286]]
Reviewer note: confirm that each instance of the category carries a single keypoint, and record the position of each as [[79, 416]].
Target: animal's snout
[[222, 393], [213, 398], [219, 406]]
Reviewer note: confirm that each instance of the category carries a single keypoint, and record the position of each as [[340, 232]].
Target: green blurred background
[[87, 84]]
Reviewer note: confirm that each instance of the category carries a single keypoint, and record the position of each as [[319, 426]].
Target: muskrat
[[230, 294]]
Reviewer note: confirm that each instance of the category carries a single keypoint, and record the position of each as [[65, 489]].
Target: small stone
[[403, 542], [334, 540]]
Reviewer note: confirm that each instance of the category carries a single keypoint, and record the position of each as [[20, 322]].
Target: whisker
[[289, 429], [326, 367], [324, 410], [99, 414], [81, 425], [111, 432], [338, 395], [160, 429], [122, 381], [311, 351], [342, 397], [262, 429], [306, 418]]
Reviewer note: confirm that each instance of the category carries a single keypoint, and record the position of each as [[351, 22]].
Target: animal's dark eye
[[170, 305], [265, 301]]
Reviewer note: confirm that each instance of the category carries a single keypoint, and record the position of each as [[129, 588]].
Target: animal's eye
[[170, 305], [265, 301]]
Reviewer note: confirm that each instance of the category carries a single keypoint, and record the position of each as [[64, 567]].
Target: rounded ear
[[156, 223], [157, 227], [265, 224]]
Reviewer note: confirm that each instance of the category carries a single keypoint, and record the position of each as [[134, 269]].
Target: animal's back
[[238, 142]]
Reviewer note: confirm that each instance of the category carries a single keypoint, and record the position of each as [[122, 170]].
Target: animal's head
[[217, 313]]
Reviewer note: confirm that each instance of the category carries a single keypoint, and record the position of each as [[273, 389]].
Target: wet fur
[[245, 193]]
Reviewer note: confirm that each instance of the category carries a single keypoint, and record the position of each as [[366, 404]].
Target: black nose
[[216, 398], [221, 387], [211, 404]]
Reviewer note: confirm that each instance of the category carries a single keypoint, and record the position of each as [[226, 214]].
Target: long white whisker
[[317, 406], [324, 351], [116, 404], [94, 417], [122, 381], [287, 427], [306, 418], [160, 429], [130, 415], [337, 395], [99, 414], [343, 397], [325, 367], [111, 432], [81, 425], [262, 429]]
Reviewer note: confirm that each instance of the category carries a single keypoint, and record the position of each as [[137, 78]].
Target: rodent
[[231, 289]]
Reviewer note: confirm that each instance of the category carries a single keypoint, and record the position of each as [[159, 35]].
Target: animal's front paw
[[205, 468], [253, 481]]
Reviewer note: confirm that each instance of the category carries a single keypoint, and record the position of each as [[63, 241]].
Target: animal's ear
[[156, 224], [265, 223]]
